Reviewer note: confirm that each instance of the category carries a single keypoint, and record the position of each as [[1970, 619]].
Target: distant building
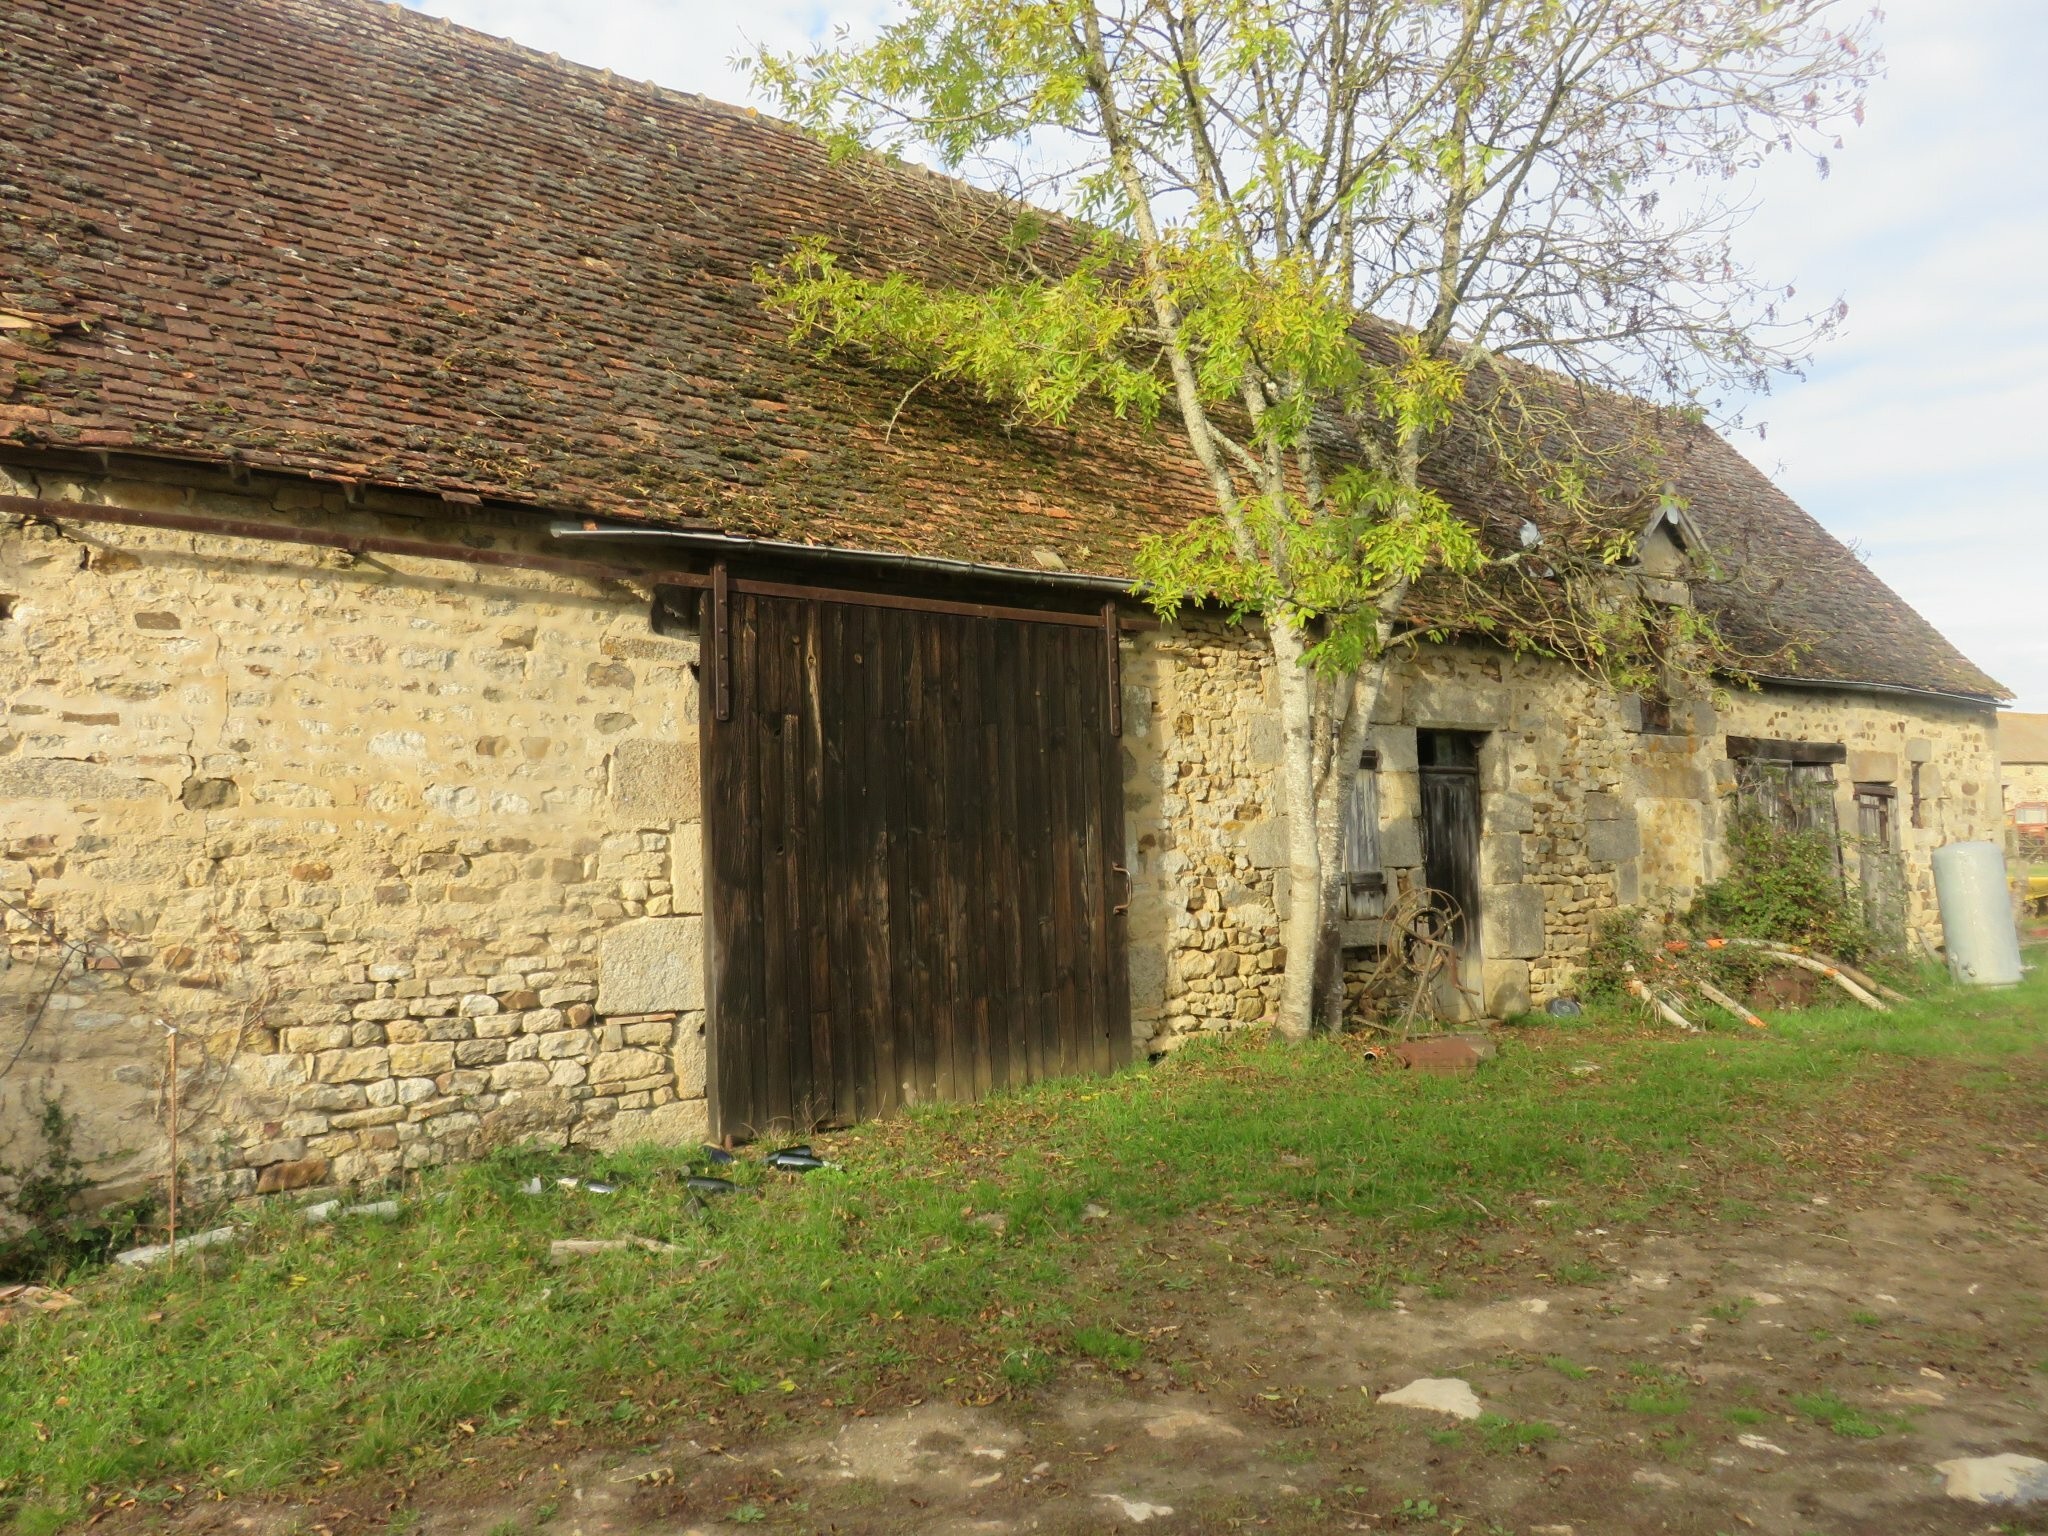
[[2023, 749]]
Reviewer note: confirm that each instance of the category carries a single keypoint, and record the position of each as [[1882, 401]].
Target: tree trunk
[[1323, 724]]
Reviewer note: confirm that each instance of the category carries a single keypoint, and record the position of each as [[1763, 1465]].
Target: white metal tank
[[1976, 914]]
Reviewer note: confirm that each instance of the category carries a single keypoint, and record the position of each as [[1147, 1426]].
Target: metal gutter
[[1981, 699]]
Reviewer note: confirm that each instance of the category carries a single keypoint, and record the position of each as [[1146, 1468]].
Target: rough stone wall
[[407, 850], [2026, 783], [1207, 838], [1953, 744], [1582, 809], [410, 851], [1206, 842], [1555, 847]]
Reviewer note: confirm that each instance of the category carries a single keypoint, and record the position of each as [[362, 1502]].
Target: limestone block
[[1601, 806], [651, 965], [1501, 861], [565, 1043], [333, 1096], [1511, 921], [1507, 988], [1264, 740], [1401, 844], [299, 1174], [690, 1059], [655, 781], [1919, 750], [683, 1122], [423, 1060], [1446, 704], [1145, 967], [1509, 813], [1265, 843], [286, 1150], [65, 778], [519, 1074], [352, 1066], [613, 1067], [632, 639], [1874, 767], [1609, 842], [1396, 747], [686, 870], [1671, 776]]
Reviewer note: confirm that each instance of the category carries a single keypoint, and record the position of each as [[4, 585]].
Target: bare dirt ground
[[1796, 1364]]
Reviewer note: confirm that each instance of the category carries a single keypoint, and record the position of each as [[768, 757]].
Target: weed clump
[[47, 1229], [1785, 885]]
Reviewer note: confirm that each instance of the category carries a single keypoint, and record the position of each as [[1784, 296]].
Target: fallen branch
[[1863, 979], [1714, 994], [1829, 968], [578, 1247], [1665, 1011]]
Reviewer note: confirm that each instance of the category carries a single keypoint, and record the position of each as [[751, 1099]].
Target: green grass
[[1829, 1411], [1747, 1417], [1109, 1346], [1503, 1434], [1659, 1402], [373, 1343]]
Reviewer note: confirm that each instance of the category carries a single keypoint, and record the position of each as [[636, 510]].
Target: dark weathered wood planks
[[913, 820]]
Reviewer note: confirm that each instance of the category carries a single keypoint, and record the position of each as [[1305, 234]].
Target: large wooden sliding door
[[911, 823]]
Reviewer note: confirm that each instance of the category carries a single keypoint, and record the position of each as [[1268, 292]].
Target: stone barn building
[[472, 677], [2023, 758]]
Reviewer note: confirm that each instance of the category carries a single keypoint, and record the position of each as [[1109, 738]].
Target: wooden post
[[721, 643], [1113, 667], [172, 1259]]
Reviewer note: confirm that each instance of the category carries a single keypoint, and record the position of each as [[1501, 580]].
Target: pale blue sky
[[1920, 434]]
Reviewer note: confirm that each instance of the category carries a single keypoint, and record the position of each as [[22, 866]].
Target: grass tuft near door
[[912, 821]]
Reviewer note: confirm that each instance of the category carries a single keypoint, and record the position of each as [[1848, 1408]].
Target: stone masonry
[[407, 850], [1582, 810], [410, 851]]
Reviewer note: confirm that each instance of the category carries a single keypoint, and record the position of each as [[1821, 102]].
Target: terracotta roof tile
[[332, 236]]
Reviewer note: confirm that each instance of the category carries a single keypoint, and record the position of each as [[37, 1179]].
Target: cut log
[[1714, 994]]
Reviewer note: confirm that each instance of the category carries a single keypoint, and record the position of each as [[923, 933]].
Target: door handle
[[1125, 905]]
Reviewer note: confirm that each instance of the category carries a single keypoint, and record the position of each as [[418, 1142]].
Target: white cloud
[[688, 45], [1918, 435]]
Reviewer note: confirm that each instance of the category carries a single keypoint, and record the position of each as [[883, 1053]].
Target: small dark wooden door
[[911, 822], [1449, 763]]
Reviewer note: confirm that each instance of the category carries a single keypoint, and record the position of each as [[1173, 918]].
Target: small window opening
[[1875, 805], [1657, 712], [1919, 803]]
